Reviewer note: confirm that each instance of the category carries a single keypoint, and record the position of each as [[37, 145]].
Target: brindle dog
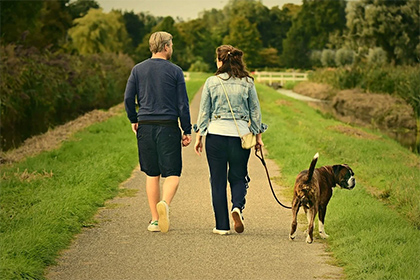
[[313, 190]]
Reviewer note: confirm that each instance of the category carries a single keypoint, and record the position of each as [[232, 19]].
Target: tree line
[[317, 33]]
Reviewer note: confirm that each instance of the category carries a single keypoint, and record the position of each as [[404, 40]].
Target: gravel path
[[120, 247]]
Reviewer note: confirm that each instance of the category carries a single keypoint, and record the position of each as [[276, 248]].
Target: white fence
[[186, 76], [280, 77]]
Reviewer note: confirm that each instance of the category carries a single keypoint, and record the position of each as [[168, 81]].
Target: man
[[158, 85]]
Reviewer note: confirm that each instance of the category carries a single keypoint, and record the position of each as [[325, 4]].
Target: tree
[[135, 28], [18, 19], [311, 30], [245, 36], [35, 23], [80, 8], [55, 20], [99, 32], [280, 22], [200, 43], [390, 25]]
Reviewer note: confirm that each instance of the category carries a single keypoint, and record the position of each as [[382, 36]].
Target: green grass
[[195, 83], [45, 200], [40, 213], [374, 228]]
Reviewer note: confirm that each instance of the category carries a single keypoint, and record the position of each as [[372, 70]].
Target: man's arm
[[130, 99]]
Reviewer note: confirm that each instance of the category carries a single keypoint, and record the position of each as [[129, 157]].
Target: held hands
[[186, 140]]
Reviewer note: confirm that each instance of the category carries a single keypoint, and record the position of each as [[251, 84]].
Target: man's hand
[[186, 140], [134, 127]]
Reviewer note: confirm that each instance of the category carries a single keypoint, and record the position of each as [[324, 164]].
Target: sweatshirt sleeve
[[183, 104], [130, 98]]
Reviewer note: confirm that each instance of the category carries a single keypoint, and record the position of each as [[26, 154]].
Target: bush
[[344, 57], [42, 90], [328, 58], [199, 66], [402, 81], [316, 58], [377, 57]]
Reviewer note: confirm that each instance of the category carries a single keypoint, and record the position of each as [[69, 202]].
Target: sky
[[185, 9]]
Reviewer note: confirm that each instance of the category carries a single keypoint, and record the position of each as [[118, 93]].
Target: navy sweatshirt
[[158, 85]]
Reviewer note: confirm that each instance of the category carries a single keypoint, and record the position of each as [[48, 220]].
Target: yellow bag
[[248, 140]]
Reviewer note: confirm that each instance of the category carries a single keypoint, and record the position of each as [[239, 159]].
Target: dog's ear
[[336, 169]]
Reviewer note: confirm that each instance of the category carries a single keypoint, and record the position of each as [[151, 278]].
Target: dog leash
[[268, 176]]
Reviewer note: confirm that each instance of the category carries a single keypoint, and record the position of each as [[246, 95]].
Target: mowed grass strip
[[46, 199], [374, 228]]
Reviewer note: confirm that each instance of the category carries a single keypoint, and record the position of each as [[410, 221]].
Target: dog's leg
[[321, 219], [295, 210], [311, 217]]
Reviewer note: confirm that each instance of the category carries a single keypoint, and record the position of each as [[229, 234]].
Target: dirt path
[[120, 247]]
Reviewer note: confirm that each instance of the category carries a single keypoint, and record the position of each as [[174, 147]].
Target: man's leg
[[169, 188], [153, 195]]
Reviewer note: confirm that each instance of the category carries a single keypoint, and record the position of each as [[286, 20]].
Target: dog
[[313, 190]]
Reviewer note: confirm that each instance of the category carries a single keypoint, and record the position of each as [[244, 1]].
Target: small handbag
[[248, 140]]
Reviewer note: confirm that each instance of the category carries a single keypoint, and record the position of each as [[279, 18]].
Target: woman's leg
[[238, 172], [217, 160]]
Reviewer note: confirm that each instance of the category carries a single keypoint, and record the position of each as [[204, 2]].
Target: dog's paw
[[323, 235], [292, 237], [309, 240]]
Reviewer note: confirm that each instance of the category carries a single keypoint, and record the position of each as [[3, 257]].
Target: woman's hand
[[198, 147], [260, 143]]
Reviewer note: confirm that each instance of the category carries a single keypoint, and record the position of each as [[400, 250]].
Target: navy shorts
[[159, 148]]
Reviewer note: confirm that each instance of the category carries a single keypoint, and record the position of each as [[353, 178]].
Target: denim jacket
[[243, 99]]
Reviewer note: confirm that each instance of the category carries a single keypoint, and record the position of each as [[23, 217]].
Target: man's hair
[[233, 63], [159, 40]]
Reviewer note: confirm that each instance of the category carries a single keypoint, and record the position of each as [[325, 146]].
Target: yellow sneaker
[[163, 211]]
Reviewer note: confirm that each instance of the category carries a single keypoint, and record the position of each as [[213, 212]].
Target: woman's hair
[[159, 40], [232, 62]]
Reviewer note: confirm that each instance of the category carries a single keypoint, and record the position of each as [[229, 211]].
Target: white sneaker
[[238, 220], [153, 226], [163, 211], [221, 232]]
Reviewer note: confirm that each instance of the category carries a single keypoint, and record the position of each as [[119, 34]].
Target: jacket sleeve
[[130, 98], [205, 111], [256, 126]]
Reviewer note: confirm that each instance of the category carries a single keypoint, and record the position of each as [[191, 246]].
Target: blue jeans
[[227, 162]]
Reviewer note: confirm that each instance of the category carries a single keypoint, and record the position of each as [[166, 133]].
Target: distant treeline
[[288, 36]]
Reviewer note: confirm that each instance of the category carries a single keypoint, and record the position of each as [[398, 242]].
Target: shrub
[[199, 66], [344, 57], [377, 57], [316, 58], [42, 90], [328, 58], [402, 81]]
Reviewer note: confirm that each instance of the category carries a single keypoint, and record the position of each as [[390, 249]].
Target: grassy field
[[374, 229], [48, 198]]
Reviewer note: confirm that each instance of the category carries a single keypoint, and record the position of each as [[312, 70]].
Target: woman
[[225, 156]]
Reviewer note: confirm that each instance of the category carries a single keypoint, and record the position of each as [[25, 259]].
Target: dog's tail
[[312, 167]]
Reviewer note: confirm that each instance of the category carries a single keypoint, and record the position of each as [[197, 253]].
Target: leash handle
[[268, 176]]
